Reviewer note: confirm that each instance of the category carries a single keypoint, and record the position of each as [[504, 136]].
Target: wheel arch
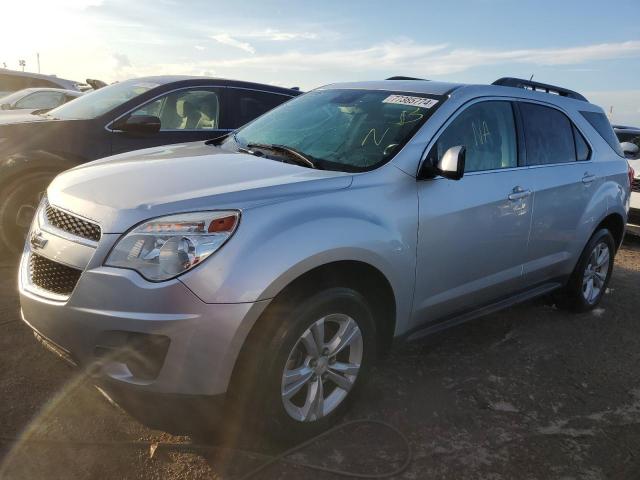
[[363, 277], [17, 164], [614, 222]]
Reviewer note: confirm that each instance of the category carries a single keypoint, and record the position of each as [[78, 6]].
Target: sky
[[591, 46]]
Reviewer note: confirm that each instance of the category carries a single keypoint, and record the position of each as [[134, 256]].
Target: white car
[[630, 136], [31, 99]]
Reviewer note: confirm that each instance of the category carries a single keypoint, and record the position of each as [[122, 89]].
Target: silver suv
[[263, 272]]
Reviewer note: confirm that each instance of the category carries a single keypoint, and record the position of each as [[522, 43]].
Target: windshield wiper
[[295, 155]]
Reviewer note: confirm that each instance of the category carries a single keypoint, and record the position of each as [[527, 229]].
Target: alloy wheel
[[595, 273], [322, 368]]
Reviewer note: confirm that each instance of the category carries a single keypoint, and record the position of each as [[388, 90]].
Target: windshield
[[348, 130], [99, 102]]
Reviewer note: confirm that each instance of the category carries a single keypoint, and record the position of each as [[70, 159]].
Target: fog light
[[142, 353]]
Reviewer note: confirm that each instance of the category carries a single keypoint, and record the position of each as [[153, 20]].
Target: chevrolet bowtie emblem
[[37, 240]]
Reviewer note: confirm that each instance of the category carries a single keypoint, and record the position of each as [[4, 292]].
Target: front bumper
[[633, 220], [109, 305]]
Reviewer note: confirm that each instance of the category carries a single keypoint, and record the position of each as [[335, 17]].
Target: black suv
[[130, 115]]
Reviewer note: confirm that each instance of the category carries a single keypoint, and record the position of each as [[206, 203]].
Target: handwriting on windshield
[[410, 117], [406, 116], [372, 133]]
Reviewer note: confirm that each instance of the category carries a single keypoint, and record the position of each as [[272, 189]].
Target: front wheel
[[310, 357], [18, 203], [590, 279]]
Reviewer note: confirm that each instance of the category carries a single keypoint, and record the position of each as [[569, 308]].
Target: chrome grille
[[52, 276], [635, 185], [72, 224]]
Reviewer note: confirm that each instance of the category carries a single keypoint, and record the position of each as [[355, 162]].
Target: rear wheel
[[305, 362], [590, 279]]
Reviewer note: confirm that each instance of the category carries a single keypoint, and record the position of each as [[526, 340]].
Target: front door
[[186, 115], [473, 233]]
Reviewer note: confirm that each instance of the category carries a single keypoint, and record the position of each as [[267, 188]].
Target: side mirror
[[139, 125], [450, 166], [5, 106], [630, 150]]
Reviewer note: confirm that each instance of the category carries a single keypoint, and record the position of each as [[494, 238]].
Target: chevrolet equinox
[[265, 270]]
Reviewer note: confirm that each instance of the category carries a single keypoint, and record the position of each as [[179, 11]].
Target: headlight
[[166, 247]]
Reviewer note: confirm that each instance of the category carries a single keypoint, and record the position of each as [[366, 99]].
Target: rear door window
[[548, 133], [250, 104]]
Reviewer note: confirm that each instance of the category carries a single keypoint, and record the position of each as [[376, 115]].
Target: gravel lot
[[529, 393]]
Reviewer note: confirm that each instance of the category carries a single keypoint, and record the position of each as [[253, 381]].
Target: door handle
[[588, 178], [518, 194]]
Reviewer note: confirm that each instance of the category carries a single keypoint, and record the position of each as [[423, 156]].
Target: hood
[[21, 116], [121, 191]]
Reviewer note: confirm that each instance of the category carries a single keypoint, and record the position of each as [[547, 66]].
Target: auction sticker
[[411, 101]]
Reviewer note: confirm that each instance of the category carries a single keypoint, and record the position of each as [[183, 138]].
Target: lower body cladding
[[150, 363]]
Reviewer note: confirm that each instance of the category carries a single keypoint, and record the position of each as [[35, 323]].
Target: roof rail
[[537, 87], [401, 77]]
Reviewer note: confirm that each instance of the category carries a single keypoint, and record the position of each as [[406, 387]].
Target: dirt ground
[[528, 393]]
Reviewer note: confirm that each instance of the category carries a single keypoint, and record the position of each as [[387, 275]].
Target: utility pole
[[610, 112], [38, 56], [22, 63]]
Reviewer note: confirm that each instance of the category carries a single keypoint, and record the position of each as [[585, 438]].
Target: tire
[[589, 280], [19, 199], [284, 341]]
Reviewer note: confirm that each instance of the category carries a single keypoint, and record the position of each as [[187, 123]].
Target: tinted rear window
[[250, 104], [548, 135], [601, 123]]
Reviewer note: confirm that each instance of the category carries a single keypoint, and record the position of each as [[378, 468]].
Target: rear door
[[565, 180], [473, 232], [186, 115]]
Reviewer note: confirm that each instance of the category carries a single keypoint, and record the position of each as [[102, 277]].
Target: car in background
[[125, 116], [629, 138], [31, 100], [12, 81]]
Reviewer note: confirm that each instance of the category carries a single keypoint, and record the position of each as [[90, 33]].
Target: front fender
[[275, 244]]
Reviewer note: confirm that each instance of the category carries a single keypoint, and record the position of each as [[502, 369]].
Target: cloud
[[121, 61], [280, 36], [199, 47], [227, 39], [408, 56]]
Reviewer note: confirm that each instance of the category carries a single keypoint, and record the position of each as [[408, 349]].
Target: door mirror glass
[[630, 150], [451, 165], [139, 125]]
